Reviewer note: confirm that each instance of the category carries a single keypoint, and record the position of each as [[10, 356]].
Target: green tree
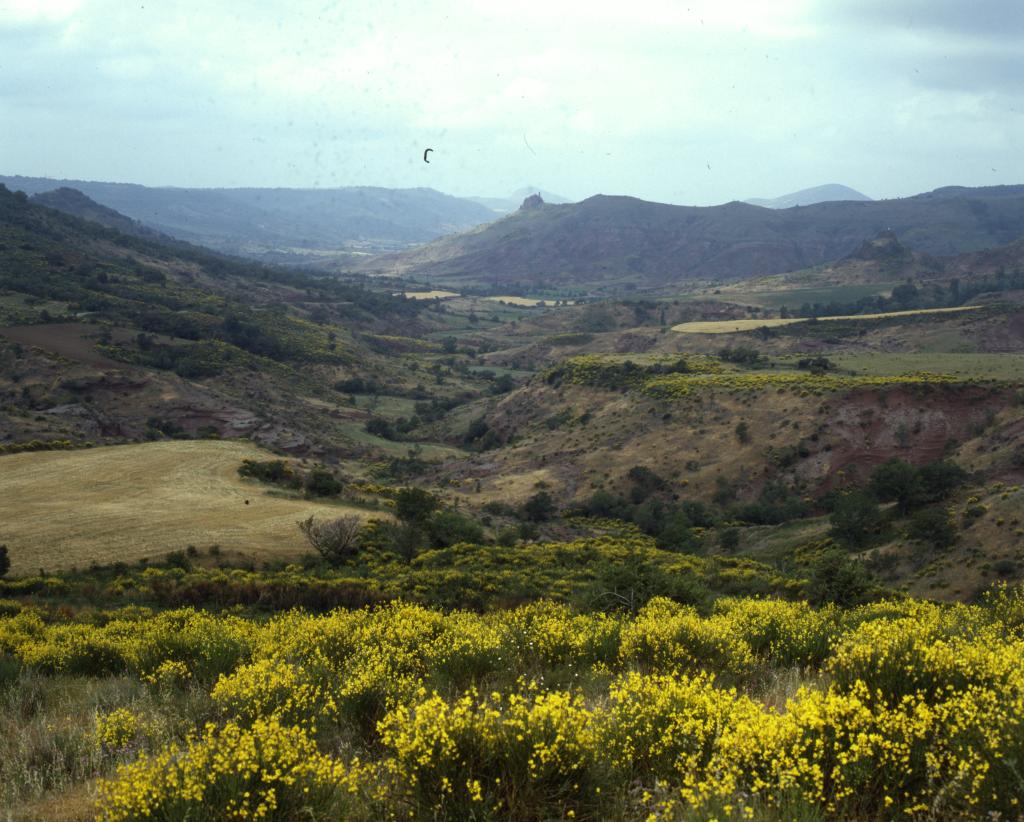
[[414, 505], [539, 508], [729, 539], [5, 561], [743, 432], [645, 482], [839, 579], [855, 519], [450, 527], [676, 534], [939, 479], [899, 481], [322, 483], [933, 526]]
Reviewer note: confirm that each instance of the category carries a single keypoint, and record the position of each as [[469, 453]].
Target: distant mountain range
[[504, 205], [282, 224], [831, 192], [622, 242]]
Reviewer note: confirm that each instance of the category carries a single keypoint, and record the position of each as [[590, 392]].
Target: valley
[[687, 477], [511, 412]]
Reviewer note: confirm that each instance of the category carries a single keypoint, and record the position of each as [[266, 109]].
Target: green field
[[1008, 367], [795, 297]]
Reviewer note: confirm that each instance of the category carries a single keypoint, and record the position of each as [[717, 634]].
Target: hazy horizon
[[695, 103]]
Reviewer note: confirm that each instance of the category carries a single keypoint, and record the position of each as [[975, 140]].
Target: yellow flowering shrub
[[268, 771], [500, 755], [117, 729], [907, 656], [663, 725], [786, 633], [272, 688], [666, 636], [550, 634], [76, 649]]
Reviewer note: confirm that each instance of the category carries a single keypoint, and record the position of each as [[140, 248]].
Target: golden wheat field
[[69, 508], [522, 302], [734, 326]]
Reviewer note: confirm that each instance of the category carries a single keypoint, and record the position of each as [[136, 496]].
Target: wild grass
[[48, 735]]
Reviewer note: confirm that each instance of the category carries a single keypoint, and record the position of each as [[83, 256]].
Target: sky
[[692, 102]]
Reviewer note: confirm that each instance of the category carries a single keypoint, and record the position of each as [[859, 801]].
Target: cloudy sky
[[684, 101]]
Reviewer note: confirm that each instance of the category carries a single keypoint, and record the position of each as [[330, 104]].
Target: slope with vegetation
[[278, 224], [107, 337], [503, 561], [622, 243]]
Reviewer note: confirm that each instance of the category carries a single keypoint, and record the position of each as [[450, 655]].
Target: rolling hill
[[613, 242], [830, 192], [281, 224], [105, 336], [884, 261]]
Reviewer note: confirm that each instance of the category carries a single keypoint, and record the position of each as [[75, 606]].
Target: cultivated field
[[69, 508], [523, 302], [734, 326], [1008, 367], [780, 293], [430, 295]]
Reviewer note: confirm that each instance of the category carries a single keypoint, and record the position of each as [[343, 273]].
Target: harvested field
[[735, 326], [126, 502], [522, 302], [430, 295]]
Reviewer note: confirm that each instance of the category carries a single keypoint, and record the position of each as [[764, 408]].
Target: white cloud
[[621, 97], [37, 11]]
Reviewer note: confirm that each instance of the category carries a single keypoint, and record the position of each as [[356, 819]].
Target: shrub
[[450, 527], [932, 526], [897, 480], [335, 540], [855, 519], [322, 483], [380, 427], [414, 505], [267, 771], [837, 578], [275, 471], [5, 561], [539, 508], [645, 482]]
